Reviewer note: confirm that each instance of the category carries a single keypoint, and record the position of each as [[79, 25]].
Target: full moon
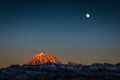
[[87, 15]]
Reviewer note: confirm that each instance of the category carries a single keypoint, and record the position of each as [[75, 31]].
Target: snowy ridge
[[50, 71]]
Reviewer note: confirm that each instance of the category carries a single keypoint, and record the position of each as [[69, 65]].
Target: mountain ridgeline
[[45, 67]]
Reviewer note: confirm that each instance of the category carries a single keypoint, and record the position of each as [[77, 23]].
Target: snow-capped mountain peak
[[41, 58]]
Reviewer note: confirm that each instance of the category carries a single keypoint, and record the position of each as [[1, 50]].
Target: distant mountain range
[[41, 58], [44, 67]]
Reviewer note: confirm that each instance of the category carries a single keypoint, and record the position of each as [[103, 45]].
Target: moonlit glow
[[87, 15]]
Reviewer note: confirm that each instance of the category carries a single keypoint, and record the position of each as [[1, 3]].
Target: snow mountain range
[[44, 67]]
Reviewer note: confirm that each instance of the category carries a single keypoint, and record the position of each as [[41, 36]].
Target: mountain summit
[[41, 58]]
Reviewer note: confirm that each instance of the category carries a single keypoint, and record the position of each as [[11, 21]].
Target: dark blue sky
[[60, 28]]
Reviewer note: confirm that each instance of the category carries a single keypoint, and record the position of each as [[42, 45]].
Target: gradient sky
[[60, 28]]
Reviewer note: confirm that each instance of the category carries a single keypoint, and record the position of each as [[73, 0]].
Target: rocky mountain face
[[72, 63], [41, 58]]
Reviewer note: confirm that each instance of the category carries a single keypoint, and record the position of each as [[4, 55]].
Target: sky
[[60, 28]]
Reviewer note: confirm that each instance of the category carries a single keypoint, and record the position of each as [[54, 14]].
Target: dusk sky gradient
[[60, 28]]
